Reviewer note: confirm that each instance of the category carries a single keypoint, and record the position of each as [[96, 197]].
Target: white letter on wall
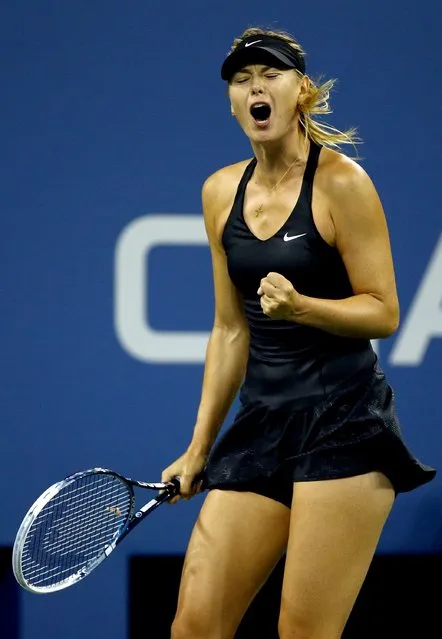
[[132, 326], [424, 319]]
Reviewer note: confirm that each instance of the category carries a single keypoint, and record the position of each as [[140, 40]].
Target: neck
[[275, 157]]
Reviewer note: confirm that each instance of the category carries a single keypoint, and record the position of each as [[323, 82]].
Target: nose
[[257, 86]]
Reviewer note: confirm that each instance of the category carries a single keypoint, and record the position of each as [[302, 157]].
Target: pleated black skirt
[[350, 432]]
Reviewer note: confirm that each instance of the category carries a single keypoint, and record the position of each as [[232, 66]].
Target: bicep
[[362, 239], [229, 311]]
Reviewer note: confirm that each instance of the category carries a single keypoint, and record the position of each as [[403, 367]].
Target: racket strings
[[74, 528], [73, 513]]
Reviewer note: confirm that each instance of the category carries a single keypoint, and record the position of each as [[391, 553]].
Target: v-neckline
[[252, 167]]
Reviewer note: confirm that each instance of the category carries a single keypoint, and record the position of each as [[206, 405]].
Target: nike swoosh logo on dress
[[287, 237]]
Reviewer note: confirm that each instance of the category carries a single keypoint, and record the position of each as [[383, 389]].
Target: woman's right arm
[[227, 349]]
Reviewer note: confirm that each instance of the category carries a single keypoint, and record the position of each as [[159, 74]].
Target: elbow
[[390, 323], [386, 315]]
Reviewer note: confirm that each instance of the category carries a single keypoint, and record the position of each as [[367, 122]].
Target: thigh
[[236, 542], [334, 530]]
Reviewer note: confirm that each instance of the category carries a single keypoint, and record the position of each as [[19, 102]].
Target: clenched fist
[[279, 299]]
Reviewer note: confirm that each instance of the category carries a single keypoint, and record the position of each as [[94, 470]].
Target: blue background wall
[[111, 114]]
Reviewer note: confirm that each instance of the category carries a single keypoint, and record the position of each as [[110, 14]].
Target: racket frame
[[132, 520]]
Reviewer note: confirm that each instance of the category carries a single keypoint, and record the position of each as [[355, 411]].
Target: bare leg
[[334, 530], [237, 541]]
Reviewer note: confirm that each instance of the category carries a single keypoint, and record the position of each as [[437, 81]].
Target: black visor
[[262, 49]]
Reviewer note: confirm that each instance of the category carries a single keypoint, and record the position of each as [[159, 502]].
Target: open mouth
[[260, 112]]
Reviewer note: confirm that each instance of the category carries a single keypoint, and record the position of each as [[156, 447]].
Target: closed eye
[[240, 78]]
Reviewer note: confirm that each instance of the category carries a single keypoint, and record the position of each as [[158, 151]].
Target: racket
[[76, 523]]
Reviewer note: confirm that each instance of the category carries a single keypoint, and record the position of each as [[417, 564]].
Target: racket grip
[[174, 486], [175, 481]]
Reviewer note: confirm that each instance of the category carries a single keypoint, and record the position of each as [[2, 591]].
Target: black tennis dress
[[313, 405]]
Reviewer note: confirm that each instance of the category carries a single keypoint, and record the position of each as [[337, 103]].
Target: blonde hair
[[316, 102]]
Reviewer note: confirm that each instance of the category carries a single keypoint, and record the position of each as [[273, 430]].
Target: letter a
[[424, 320]]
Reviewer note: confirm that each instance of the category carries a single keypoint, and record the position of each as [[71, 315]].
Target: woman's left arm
[[362, 239]]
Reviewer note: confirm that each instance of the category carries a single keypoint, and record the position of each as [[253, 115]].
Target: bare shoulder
[[218, 187], [218, 194], [343, 178], [353, 202]]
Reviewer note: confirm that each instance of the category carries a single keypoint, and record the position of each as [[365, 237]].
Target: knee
[[290, 627], [298, 624], [188, 625], [184, 630]]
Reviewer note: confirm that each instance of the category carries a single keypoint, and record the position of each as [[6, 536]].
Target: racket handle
[[174, 486], [175, 481]]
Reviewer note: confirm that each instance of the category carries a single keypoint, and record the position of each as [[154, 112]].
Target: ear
[[232, 111], [304, 89]]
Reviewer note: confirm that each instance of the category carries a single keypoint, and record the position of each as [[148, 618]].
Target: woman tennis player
[[303, 279]]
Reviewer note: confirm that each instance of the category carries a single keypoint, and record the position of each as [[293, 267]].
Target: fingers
[[188, 489], [189, 470], [267, 288], [266, 305], [166, 477], [272, 284], [278, 280], [168, 474], [186, 486]]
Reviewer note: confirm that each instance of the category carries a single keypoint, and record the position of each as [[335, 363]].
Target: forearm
[[225, 366], [360, 316]]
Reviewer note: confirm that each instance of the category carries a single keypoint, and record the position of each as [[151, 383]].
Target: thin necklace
[[261, 206]]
